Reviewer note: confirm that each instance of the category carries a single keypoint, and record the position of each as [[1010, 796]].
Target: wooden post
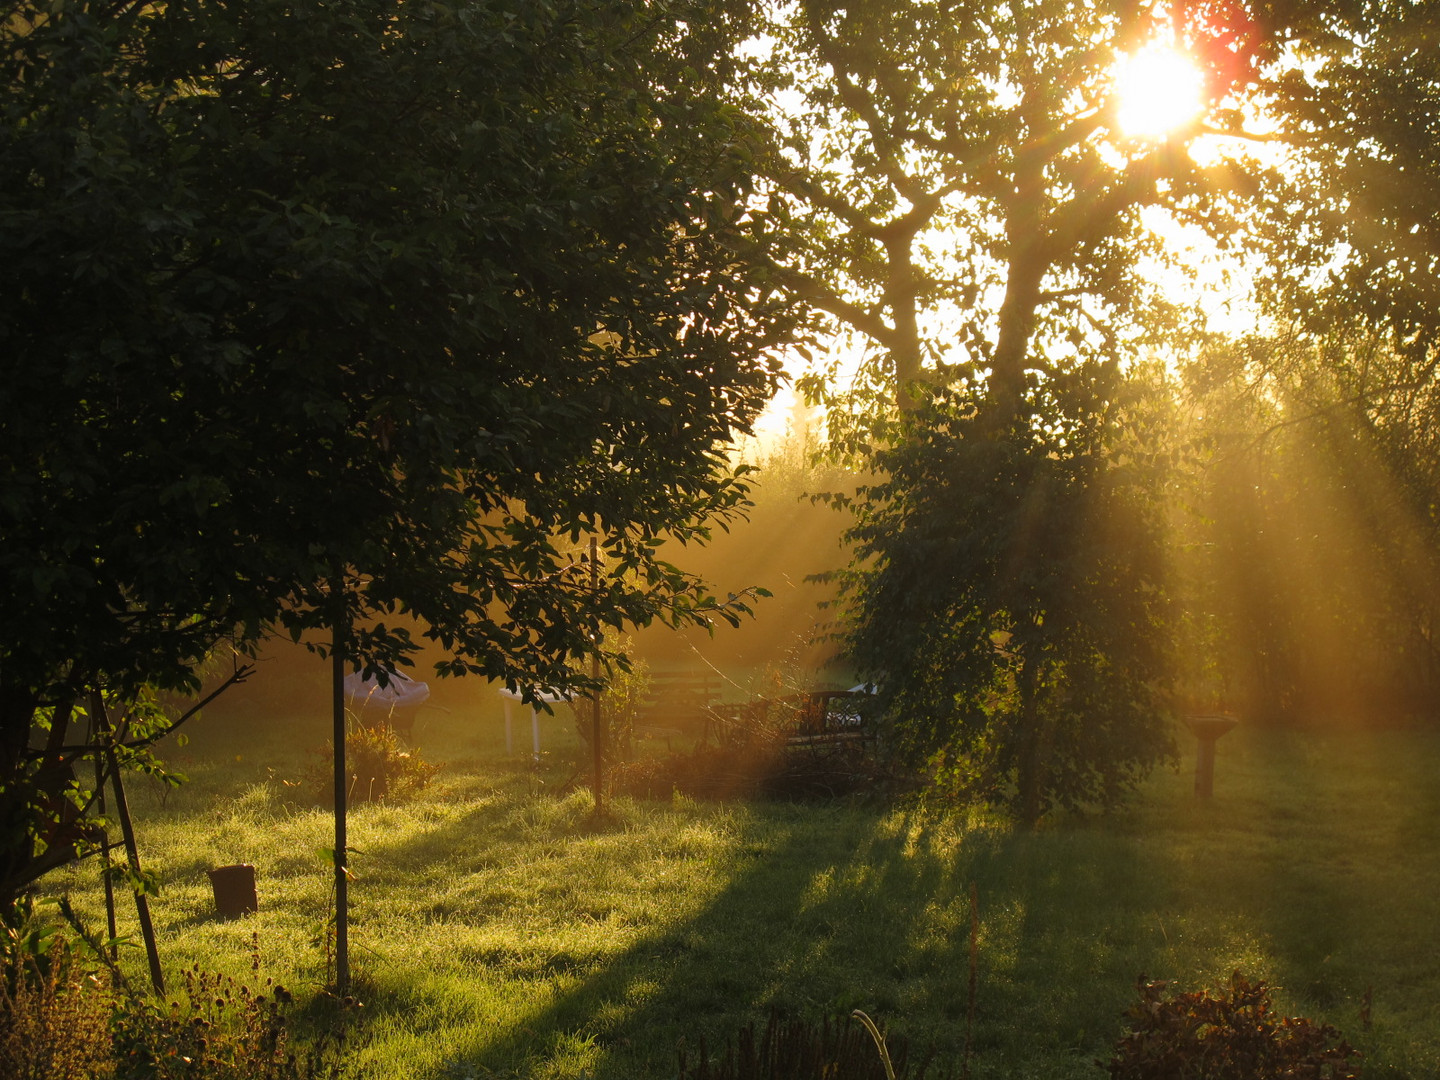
[[111, 929], [597, 727], [132, 850], [337, 694]]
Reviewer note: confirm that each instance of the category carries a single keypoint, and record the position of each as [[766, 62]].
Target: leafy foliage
[[1309, 526], [220, 1028], [974, 218], [1361, 117], [54, 1012], [971, 204], [1316, 513], [54, 1017], [1235, 1036], [627, 686], [1009, 595]]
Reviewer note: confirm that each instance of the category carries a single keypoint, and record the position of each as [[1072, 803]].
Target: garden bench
[[679, 703]]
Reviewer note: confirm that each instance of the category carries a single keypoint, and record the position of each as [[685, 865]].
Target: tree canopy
[[976, 217], [974, 200], [1354, 236], [975, 206], [393, 302], [1010, 592], [1317, 505], [399, 297]]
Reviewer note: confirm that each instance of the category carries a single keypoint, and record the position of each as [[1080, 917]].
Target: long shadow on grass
[[817, 920], [825, 910], [1318, 852], [817, 914]]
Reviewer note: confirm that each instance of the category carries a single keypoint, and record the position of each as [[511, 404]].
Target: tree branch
[[243, 672], [831, 302], [803, 185]]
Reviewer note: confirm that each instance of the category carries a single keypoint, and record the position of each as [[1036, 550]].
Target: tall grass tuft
[[381, 767], [794, 1049]]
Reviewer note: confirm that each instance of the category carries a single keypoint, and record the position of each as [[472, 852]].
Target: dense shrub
[[757, 770], [776, 748], [60, 1019], [1236, 1036]]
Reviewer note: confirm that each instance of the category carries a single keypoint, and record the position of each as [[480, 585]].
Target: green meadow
[[499, 930]]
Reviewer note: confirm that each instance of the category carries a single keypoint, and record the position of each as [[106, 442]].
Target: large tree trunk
[[1028, 258], [1012, 345], [901, 294]]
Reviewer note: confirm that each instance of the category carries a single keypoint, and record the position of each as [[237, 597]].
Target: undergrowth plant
[[219, 1028], [626, 691], [54, 1016], [64, 1018], [380, 765]]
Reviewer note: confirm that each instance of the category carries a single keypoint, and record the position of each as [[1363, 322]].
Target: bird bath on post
[[1207, 729]]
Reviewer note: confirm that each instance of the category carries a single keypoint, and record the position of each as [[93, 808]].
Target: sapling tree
[[371, 304]]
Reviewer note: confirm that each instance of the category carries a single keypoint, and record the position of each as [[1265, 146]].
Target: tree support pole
[[597, 728], [342, 875], [111, 929], [132, 850]]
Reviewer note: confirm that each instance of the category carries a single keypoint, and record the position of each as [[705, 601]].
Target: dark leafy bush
[[799, 746], [757, 770], [1236, 1036]]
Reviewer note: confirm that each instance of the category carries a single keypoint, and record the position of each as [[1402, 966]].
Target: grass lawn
[[498, 932]]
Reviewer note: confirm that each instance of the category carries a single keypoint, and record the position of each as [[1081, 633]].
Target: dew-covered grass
[[499, 930]]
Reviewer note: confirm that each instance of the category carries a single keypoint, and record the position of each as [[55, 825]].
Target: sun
[[1158, 89]]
